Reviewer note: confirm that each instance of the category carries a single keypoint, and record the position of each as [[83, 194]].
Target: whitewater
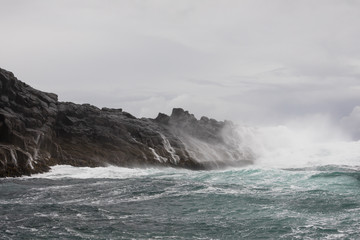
[[304, 184]]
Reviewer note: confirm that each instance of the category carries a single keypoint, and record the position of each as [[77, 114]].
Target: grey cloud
[[251, 60]]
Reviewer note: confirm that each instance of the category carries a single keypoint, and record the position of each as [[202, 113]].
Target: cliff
[[37, 131]]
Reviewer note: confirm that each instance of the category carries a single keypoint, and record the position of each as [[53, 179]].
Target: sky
[[253, 61]]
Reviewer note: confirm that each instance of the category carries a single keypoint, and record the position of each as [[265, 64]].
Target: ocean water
[[293, 191]]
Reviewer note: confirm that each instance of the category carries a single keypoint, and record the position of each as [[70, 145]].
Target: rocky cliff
[[37, 131]]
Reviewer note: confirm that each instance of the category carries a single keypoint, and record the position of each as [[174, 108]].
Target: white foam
[[66, 171]]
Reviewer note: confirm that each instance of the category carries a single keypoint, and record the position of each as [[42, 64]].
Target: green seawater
[[321, 202]]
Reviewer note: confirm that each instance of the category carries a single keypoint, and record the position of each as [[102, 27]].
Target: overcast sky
[[251, 61]]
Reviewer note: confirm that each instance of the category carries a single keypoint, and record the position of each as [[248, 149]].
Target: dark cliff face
[[27, 117], [37, 131]]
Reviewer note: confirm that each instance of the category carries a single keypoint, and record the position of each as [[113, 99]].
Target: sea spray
[[310, 141], [226, 149]]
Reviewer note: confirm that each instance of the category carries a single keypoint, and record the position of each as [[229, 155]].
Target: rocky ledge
[[37, 131]]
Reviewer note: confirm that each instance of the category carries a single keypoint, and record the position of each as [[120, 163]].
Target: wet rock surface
[[37, 131]]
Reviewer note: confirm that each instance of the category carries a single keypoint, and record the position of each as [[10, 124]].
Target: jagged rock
[[37, 132]]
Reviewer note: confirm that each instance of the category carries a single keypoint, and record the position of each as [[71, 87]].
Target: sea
[[298, 188]]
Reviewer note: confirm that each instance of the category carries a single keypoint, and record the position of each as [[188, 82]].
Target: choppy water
[[295, 190], [119, 203]]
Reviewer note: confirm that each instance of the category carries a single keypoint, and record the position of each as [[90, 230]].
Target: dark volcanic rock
[[37, 131]]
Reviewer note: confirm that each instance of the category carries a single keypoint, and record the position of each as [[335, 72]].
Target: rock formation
[[37, 131]]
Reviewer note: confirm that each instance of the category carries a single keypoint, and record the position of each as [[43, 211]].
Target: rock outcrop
[[37, 131]]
